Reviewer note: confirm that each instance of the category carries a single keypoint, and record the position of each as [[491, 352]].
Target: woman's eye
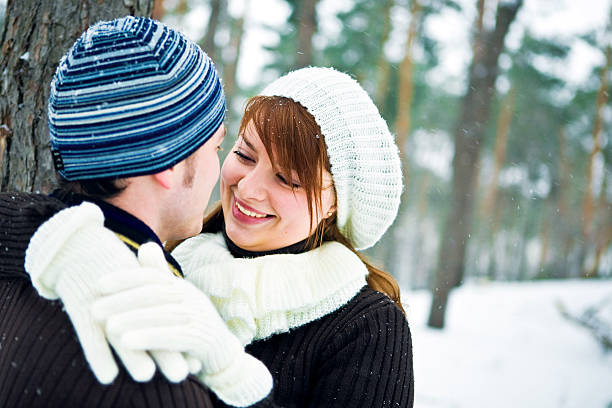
[[243, 156], [284, 181]]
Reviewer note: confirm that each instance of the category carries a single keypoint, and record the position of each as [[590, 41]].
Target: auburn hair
[[294, 142]]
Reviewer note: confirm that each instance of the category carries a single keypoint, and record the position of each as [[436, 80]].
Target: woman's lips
[[248, 215]]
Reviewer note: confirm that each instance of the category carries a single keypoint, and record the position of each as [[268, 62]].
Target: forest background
[[500, 108]]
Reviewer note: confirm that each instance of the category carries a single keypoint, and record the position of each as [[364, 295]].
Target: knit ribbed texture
[[359, 356], [131, 97], [275, 293], [365, 163], [20, 216], [41, 361]]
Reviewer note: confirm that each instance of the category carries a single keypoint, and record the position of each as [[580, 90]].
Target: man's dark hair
[[100, 189]]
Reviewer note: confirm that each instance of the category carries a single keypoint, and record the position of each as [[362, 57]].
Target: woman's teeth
[[249, 213]]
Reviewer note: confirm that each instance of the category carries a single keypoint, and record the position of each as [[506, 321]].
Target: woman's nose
[[253, 185]]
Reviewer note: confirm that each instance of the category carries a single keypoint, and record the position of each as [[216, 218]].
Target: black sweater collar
[[238, 252], [121, 222]]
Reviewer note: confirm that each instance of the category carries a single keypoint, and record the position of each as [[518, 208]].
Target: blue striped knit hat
[[131, 97]]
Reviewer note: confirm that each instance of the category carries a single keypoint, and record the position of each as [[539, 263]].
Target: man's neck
[[141, 203], [139, 211]]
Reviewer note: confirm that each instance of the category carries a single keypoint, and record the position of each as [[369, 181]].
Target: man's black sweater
[[41, 360]]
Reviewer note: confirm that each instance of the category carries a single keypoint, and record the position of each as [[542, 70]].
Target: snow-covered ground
[[507, 345]]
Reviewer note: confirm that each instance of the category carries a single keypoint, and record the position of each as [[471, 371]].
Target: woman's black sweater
[[357, 356]]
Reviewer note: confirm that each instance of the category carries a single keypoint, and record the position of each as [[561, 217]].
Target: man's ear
[[164, 178]]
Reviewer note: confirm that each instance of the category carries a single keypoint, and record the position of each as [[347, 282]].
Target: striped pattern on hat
[[131, 97], [365, 162]]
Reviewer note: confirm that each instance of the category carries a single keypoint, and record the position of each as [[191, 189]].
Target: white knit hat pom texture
[[364, 158]]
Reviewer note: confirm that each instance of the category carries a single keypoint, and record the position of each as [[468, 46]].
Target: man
[[135, 120]]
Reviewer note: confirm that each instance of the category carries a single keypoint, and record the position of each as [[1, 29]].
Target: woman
[[313, 175]]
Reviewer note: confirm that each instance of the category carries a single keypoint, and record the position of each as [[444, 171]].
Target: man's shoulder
[[27, 204], [20, 216]]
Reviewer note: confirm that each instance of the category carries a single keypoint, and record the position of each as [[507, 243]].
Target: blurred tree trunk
[[603, 236], [602, 245], [562, 267], [419, 271], [545, 241], [307, 27], [588, 206], [383, 67], [182, 6], [158, 10], [217, 9], [499, 155], [469, 134], [230, 67], [36, 33], [402, 125], [490, 212], [406, 84], [495, 221]]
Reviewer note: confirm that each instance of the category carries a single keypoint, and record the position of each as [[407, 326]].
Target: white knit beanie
[[365, 162]]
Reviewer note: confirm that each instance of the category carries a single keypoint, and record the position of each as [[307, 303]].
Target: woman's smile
[[248, 215]]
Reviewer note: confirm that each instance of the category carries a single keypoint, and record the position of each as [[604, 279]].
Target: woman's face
[[261, 210]]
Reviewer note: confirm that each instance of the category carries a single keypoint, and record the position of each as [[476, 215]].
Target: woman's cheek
[[229, 173]]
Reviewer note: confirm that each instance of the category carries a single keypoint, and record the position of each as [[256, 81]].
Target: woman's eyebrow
[[246, 141]]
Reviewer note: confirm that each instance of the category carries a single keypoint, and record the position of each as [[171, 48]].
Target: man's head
[[133, 98]]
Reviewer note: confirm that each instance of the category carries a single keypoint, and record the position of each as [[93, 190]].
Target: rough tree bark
[[469, 134], [36, 33]]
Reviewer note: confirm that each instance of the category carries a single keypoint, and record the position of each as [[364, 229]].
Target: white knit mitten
[[164, 312], [65, 258]]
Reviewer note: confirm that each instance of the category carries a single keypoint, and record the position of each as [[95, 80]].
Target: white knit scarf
[[259, 297]]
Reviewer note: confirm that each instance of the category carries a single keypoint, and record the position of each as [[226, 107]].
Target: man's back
[[41, 360]]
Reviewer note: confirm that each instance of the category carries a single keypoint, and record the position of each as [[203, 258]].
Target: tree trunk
[[562, 267], [602, 245], [493, 266], [158, 11], [36, 33], [307, 26], [603, 229], [236, 35], [588, 206], [468, 137], [182, 7], [404, 104], [406, 83], [418, 270], [499, 156], [383, 67], [217, 8], [545, 240]]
